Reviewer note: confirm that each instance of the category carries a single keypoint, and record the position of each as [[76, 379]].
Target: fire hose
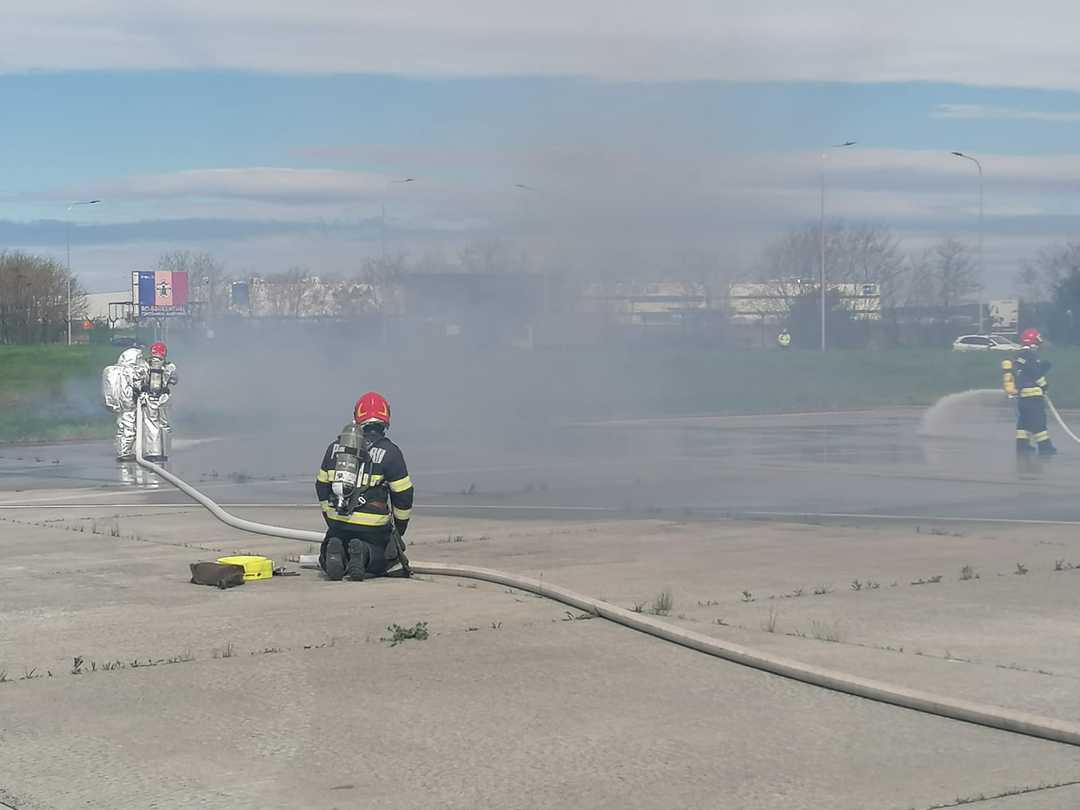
[[1060, 421], [916, 700]]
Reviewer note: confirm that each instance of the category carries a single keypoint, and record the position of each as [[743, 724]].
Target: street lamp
[[67, 239], [821, 236], [534, 190], [979, 167], [382, 217]]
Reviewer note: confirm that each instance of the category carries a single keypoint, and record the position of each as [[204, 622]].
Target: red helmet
[[372, 407], [1030, 337], [158, 349]]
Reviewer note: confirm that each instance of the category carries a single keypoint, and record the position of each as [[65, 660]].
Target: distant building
[[648, 304], [114, 307], [771, 300]]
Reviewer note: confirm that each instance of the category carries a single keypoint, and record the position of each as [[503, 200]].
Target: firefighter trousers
[[1031, 422]]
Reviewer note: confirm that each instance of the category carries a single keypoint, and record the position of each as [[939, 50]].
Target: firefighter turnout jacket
[[386, 489], [1025, 375]]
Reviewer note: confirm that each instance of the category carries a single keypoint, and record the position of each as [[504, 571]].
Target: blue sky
[[642, 134]]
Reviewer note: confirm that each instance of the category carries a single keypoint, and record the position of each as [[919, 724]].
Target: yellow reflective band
[[402, 514], [1006, 365], [1023, 434], [1042, 436], [401, 484], [1031, 392], [1041, 381], [323, 477], [357, 518]]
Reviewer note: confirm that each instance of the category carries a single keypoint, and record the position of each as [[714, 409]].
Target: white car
[[984, 343]]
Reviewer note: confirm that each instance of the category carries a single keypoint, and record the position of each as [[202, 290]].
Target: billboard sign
[[160, 292], [1004, 314]]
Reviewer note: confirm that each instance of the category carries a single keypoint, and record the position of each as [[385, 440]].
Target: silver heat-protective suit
[[120, 387], [158, 379]]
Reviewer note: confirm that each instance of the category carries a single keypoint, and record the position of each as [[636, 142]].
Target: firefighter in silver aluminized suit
[[159, 376], [121, 385]]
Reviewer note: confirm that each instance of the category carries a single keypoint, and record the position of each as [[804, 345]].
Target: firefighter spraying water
[[159, 379], [1024, 379], [134, 381], [366, 496]]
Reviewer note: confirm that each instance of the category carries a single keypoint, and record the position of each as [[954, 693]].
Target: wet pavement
[[872, 463]]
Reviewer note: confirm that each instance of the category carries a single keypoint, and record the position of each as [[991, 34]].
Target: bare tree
[[1039, 277], [291, 294], [34, 299], [854, 254], [492, 256], [944, 276]]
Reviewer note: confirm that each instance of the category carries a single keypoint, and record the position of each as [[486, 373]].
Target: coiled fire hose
[[965, 711]]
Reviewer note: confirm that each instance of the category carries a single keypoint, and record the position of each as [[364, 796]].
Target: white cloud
[[983, 111], [995, 43], [640, 205]]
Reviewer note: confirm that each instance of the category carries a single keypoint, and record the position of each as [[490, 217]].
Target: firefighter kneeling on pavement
[[366, 496], [1024, 378]]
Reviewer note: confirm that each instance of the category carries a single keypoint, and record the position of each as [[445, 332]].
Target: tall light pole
[[382, 216], [67, 239], [821, 237], [979, 167], [533, 190]]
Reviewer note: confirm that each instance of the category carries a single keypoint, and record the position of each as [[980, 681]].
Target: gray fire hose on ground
[[979, 714]]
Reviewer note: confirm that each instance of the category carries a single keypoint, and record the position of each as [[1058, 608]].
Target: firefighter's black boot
[[1023, 448], [1046, 448], [359, 556], [334, 561]]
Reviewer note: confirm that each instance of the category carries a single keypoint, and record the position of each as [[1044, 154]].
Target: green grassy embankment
[[53, 392], [698, 382], [50, 393]]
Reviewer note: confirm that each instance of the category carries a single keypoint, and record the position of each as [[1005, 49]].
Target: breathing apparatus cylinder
[[349, 461], [155, 385]]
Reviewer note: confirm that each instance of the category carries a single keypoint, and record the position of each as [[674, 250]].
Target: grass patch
[[52, 393]]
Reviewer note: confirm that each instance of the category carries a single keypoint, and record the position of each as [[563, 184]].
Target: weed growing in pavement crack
[[1021, 569], [824, 631], [967, 573], [399, 634], [769, 625], [747, 596], [821, 590], [663, 603]]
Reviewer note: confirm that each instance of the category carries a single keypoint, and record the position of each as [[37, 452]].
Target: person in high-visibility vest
[[784, 339], [367, 516], [1024, 378]]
